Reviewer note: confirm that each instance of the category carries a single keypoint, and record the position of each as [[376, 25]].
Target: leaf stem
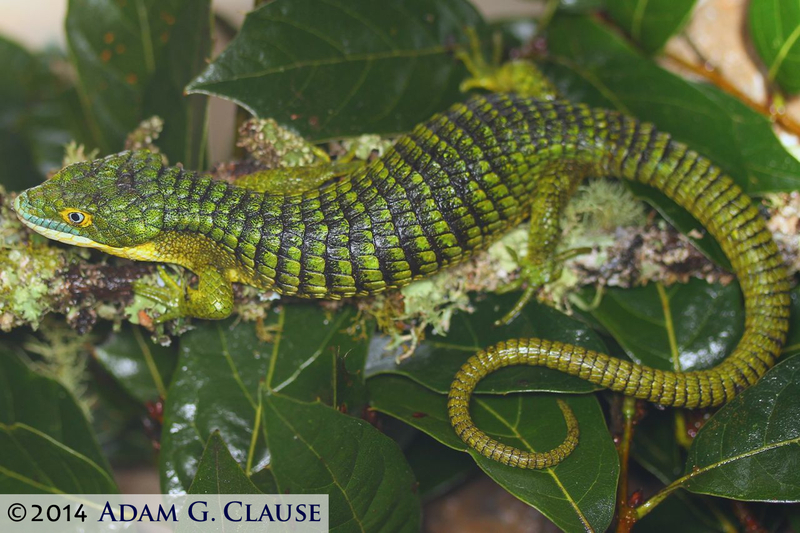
[[710, 74], [626, 514], [151, 364]]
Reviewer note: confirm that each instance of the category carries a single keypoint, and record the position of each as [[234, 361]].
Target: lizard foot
[[532, 277], [519, 76], [171, 295]]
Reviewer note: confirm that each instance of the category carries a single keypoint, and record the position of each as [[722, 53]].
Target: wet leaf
[[655, 446], [220, 367], [650, 22], [699, 322], [19, 80], [40, 405], [316, 449], [437, 468], [219, 473], [775, 30], [133, 60], [142, 368], [339, 68], [750, 449], [577, 494], [438, 358], [32, 462]]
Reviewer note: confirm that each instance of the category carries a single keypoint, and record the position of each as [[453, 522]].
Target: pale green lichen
[[145, 135], [63, 357], [362, 147], [274, 146], [76, 153]]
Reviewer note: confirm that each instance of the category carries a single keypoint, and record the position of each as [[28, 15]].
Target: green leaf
[[141, 367], [775, 29], [686, 326], [437, 359], [750, 449], [655, 446], [219, 473], [316, 449], [338, 68], [437, 468], [577, 494], [221, 365], [44, 405], [133, 61], [18, 78], [32, 462], [592, 64], [651, 22]]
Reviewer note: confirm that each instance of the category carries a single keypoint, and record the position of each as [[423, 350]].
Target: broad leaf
[[437, 359], [133, 60], [141, 367], [655, 446], [32, 462], [437, 468], [339, 68], [577, 494], [775, 30], [316, 449], [44, 405], [650, 22], [750, 449], [681, 327], [221, 365], [219, 473], [20, 84]]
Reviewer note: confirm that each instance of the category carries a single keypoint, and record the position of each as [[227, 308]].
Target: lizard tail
[[635, 151]]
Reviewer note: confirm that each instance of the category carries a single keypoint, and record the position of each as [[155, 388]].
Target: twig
[[720, 82]]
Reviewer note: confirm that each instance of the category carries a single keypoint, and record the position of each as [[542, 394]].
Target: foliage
[[248, 407]]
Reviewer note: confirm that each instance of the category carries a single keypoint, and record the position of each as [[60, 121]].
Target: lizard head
[[113, 204]]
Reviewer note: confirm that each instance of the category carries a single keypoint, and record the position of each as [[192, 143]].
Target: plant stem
[[720, 82], [626, 514]]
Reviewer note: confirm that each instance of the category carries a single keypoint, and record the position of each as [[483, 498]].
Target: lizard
[[444, 191]]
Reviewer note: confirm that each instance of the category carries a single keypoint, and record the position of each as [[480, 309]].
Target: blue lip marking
[[20, 205]]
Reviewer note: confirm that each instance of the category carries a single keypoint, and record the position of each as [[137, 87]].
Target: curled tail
[[632, 150]]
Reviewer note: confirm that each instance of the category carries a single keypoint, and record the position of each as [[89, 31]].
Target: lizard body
[[447, 189]]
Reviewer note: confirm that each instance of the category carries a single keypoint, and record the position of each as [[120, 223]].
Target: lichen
[[274, 146], [145, 135], [63, 357]]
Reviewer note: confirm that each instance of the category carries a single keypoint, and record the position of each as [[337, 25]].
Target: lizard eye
[[76, 218]]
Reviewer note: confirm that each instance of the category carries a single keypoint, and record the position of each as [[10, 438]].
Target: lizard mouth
[[52, 229]]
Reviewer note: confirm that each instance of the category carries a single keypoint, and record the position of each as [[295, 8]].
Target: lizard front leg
[[211, 300]]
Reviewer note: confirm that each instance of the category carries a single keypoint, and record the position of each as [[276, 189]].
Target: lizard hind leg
[[520, 76], [541, 264]]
